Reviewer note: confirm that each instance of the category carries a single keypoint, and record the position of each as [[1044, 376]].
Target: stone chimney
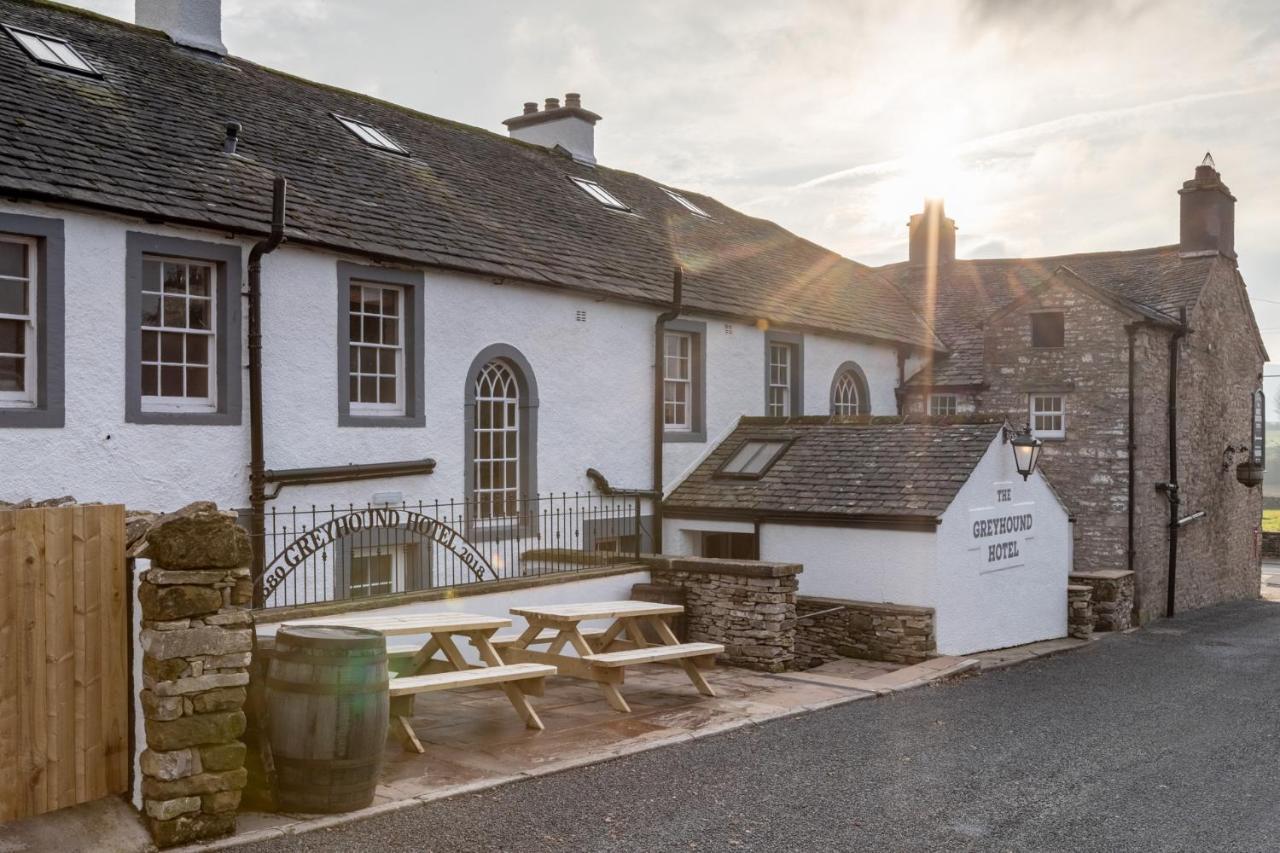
[[568, 127], [1208, 221], [931, 234], [190, 23]]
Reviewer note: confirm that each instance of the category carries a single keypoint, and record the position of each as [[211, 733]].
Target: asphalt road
[[1164, 739]]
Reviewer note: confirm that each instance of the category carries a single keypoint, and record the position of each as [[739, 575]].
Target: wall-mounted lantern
[[1026, 452]]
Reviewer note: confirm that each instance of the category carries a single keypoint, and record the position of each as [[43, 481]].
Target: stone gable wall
[[1090, 468], [196, 641]]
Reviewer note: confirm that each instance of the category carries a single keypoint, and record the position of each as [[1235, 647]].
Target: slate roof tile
[[834, 466], [147, 137], [969, 291]]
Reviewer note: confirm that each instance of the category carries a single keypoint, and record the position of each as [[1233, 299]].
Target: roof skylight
[[688, 205], [370, 135], [753, 459], [48, 50], [600, 194]]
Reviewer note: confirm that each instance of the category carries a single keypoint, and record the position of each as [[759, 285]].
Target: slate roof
[[1157, 282], [147, 138], [868, 468]]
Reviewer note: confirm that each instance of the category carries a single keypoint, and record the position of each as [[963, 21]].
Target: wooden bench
[[410, 685], [655, 654]]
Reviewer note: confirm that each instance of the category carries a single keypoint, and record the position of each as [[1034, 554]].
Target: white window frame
[[1037, 408], [600, 194], [208, 403], [370, 135], [379, 409], [779, 381], [685, 203], [28, 397], [491, 502], [51, 50], [845, 401], [938, 402], [672, 382]]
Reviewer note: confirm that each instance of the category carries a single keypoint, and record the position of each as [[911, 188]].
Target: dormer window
[[753, 459], [686, 204], [600, 194], [51, 51], [370, 135]]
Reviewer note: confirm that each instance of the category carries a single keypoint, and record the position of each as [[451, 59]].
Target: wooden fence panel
[[64, 637]]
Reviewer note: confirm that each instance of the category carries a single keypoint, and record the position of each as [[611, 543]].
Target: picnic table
[[603, 656], [437, 664]]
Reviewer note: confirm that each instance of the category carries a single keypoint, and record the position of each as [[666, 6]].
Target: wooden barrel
[[327, 712]]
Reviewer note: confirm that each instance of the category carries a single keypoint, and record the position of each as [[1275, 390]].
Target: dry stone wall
[[748, 606], [1112, 597], [196, 640], [830, 628], [1079, 611]]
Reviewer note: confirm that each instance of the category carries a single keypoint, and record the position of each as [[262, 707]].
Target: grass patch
[[1271, 521]]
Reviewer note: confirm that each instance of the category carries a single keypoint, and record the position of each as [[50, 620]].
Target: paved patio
[[474, 740]]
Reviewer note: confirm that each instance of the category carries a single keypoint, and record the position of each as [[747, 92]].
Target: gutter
[[659, 380], [257, 461], [345, 473]]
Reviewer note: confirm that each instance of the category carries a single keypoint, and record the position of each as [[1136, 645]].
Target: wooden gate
[[64, 639]]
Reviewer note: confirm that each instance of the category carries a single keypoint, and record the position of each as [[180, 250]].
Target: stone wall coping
[[886, 606], [1079, 587], [715, 566], [330, 608], [1102, 574]]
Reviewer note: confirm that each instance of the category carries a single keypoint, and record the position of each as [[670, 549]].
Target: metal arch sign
[[324, 535]]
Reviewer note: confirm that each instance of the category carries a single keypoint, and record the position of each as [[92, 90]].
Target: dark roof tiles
[[843, 468], [148, 137]]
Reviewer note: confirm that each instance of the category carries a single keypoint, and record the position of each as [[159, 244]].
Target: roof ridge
[[1107, 253]]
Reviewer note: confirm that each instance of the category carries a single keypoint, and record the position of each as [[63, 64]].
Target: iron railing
[[317, 554]]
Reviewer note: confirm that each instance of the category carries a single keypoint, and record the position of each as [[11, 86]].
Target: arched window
[[501, 448], [497, 441], [849, 395]]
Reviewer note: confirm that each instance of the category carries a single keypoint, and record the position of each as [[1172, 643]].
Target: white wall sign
[[999, 533]]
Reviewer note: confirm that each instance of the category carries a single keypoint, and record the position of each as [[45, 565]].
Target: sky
[[1047, 126]]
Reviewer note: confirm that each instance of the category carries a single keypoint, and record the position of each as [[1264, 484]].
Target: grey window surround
[[413, 281], [528, 464], [860, 377], [796, 342], [698, 372], [227, 258], [50, 410], [417, 572]]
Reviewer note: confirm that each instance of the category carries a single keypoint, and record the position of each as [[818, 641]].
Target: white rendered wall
[[858, 563], [984, 605], [594, 380], [683, 537]]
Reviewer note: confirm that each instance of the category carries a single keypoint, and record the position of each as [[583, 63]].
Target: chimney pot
[[931, 235], [572, 129], [1207, 221], [190, 23]]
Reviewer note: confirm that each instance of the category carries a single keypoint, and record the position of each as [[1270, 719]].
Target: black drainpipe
[[257, 460], [1171, 487], [1132, 331], [659, 379]]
